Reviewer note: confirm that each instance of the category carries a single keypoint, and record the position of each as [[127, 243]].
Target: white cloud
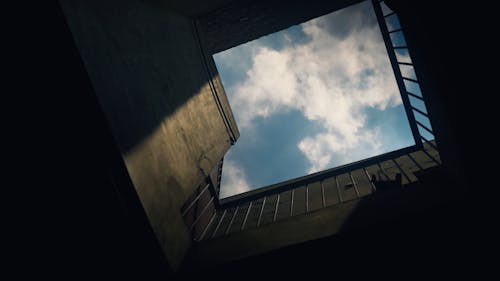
[[233, 179], [331, 80]]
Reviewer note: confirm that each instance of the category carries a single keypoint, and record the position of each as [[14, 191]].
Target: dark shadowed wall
[[150, 77]]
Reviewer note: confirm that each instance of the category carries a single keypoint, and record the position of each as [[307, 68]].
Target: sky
[[312, 97]]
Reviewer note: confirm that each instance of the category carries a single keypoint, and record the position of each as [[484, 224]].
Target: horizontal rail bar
[[410, 79], [316, 177], [415, 96], [400, 47], [405, 63], [425, 127], [195, 199], [389, 14], [420, 111], [395, 30]]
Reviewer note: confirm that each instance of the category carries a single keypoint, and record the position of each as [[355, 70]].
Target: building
[[150, 71]]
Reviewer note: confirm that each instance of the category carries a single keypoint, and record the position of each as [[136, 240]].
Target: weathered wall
[[194, 8], [147, 70], [318, 221], [242, 21], [363, 213]]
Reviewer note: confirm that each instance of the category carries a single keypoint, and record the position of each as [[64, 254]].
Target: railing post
[[374, 188], [261, 211], [415, 161], [220, 222], [201, 213], [383, 172], [207, 226], [323, 193], [246, 215], [401, 170], [276, 208], [354, 184], [307, 198], [338, 189], [232, 219], [195, 199]]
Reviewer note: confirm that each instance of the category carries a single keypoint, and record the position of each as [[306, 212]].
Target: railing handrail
[[312, 178], [250, 197]]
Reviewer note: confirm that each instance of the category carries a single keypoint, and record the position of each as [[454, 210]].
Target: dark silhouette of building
[[144, 125]]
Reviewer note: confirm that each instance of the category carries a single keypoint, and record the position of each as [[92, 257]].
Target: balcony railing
[[208, 217], [260, 207]]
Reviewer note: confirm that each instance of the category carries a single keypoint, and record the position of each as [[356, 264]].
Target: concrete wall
[[242, 21], [336, 217], [147, 69], [194, 8], [354, 215]]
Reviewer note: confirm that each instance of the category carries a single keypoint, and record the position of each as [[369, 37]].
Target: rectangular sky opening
[[311, 97]]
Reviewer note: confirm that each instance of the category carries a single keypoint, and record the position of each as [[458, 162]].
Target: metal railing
[[402, 64], [217, 217], [200, 210], [338, 187]]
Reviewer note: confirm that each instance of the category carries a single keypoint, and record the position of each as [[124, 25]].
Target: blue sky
[[312, 97]]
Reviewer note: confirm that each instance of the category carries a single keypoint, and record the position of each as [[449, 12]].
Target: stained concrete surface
[[150, 77], [354, 215], [453, 243]]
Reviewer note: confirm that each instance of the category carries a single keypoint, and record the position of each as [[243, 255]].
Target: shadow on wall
[[388, 232], [381, 184], [143, 60], [99, 224], [151, 80], [393, 201]]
